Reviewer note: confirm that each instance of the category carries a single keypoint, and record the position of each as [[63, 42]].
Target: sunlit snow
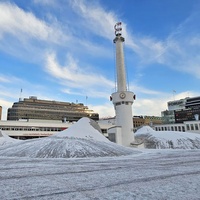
[[38, 169], [168, 139], [151, 175], [80, 140], [85, 128]]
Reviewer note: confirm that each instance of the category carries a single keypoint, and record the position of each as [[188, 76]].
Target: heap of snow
[[85, 128], [6, 140], [167, 139], [81, 140]]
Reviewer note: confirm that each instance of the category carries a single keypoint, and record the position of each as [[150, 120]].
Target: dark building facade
[[192, 103], [33, 108], [186, 115], [182, 110], [191, 111]]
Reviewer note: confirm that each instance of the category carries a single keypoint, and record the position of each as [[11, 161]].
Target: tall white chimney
[[122, 99]]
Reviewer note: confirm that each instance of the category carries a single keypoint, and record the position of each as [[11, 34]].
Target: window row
[[31, 129]]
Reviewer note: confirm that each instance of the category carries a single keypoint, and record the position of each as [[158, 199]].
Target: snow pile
[[85, 128], [81, 140], [6, 140], [167, 139]]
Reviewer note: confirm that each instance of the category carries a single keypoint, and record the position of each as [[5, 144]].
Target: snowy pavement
[[155, 174]]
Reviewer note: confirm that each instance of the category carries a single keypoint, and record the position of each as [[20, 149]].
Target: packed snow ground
[[151, 175], [38, 169], [167, 139]]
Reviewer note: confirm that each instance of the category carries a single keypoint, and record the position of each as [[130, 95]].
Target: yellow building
[[146, 120]]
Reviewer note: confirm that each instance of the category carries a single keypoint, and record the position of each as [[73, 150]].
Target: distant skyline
[[63, 51]]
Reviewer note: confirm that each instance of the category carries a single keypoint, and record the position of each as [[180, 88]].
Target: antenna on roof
[[174, 92], [20, 96]]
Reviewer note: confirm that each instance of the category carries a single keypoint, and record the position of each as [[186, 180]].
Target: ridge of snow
[[168, 139]]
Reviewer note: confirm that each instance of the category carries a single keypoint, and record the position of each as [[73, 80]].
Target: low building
[[33, 128], [27, 129], [187, 126], [151, 120], [138, 121]]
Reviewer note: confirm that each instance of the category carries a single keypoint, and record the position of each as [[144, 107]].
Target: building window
[[192, 127], [196, 127], [112, 137]]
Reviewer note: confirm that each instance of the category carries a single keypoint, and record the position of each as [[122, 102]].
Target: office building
[[33, 108], [182, 110]]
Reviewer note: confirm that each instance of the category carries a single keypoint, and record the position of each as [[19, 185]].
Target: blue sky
[[63, 50]]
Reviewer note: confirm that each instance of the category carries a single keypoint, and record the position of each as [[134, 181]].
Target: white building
[[187, 126]]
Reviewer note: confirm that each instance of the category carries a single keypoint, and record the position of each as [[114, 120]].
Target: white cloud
[[185, 94], [9, 79], [25, 25], [178, 51], [4, 79], [152, 106], [99, 21], [77, 77], [104, 110], [182, 47], [141, 90]]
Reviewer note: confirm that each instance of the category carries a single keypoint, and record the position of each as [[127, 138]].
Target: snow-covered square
[[88, 166]]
